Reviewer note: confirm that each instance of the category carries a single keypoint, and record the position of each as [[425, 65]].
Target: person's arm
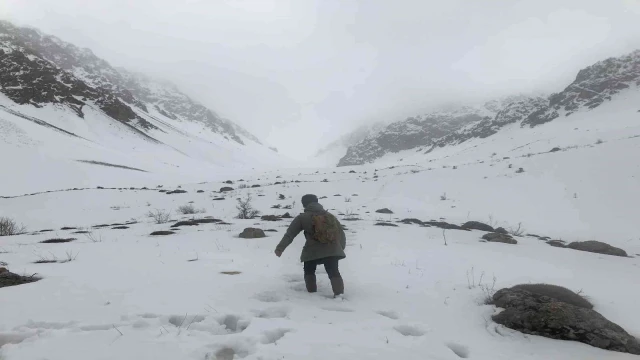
[[294, 229]]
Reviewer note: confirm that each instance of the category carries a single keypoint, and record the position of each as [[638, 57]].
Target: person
[[317, 251]]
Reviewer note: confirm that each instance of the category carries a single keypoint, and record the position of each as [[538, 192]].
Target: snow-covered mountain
[[592, 87], [331, 153], [421, 130], [67, 104]]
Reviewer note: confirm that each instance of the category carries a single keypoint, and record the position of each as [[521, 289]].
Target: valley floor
[[125, 294]]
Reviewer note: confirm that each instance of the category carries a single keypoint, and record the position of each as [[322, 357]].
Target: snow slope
[[187, 154], [129, 295]]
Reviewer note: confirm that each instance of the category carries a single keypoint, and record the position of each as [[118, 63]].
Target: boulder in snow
[[384, 211], [477, 225], [495, 237], [252, 233], [537, 314], [597, 247]]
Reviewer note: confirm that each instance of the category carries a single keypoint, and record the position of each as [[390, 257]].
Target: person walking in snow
[[325, 243]]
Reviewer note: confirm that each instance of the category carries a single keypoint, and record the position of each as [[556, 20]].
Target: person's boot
[[310, 281], [337, 285]]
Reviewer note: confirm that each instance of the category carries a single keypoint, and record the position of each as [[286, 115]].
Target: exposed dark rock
[[384, 211], [68, 228], [597, 247], [81, 232], [411, 221], [200, 191], [476, 225], [386, 224], [120, 228], [501, 230], [218, 199], [57, 241], [502, 238], [226, 188], [270, 218], [444, 225], [286, 216], [255, 186], [252, 233], [557, 243], [555, 149], [185, 223], [271, 230], [162, 232], [8, 278], [557, 292], [206, 221], [177, 191], [537, 314]]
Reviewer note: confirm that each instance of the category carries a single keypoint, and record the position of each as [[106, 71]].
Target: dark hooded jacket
[[312, 249]]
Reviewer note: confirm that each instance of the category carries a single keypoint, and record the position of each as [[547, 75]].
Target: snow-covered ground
[[129, 295]]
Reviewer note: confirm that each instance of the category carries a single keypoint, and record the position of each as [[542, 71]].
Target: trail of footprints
[[217, 325]]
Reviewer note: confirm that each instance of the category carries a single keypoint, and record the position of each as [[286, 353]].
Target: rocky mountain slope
[[419, 131], [63, 111], [592, 87], [39, 69]]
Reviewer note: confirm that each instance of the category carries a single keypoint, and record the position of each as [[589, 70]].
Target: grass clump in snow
[[160, 216], [245, 208], [189, 209], [557, 292], [9, 227]]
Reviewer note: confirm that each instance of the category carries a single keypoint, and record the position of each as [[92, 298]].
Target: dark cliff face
[[39, 69]]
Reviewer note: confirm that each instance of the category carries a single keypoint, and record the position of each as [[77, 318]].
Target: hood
[[314, 207]]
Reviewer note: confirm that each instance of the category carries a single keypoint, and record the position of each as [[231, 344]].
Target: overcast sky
[[299, 73]]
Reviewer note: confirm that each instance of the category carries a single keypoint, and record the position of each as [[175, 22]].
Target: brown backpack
[[326, 228]]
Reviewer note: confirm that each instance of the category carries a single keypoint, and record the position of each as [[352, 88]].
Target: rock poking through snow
[[542, 315], [495, 237], [476, 225], [252, 233], [597, 247]]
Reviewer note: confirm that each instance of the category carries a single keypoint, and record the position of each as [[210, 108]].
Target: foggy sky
[[299, 73]]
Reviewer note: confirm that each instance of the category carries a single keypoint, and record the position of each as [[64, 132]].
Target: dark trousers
[[330, 265]]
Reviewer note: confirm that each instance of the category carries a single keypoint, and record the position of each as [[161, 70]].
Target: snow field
[[133, 296]]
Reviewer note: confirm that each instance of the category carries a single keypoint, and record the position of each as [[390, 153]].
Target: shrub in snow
[[9, 227], [189, 209], [245, 208], [159, 216]]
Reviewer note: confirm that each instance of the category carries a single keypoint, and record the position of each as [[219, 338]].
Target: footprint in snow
[[272, 313], [268, 296], [336, 308], [271, 336], [389, 314], [408, 330], [460, 350]]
